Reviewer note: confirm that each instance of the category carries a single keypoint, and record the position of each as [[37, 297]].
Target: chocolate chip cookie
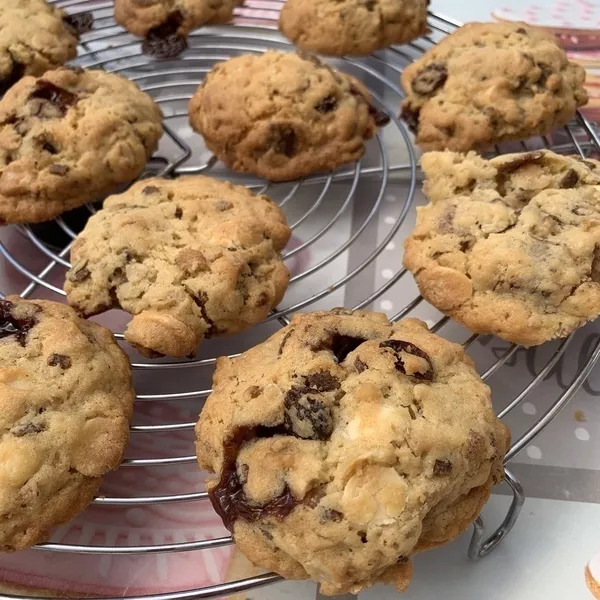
[[510, 246], [345, 443], [352, 27], [283, 116], [34, 38], [66, 395], [488, 83], [190, 258], [166, 23], [70, 137]]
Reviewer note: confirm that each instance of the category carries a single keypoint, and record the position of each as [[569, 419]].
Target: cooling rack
[[339, 238]]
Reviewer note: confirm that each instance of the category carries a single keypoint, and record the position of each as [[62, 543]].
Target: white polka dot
[[386, 305], [391, 246], [582, 434], [534, 452], [389, 220], [390, 198], [387, 273], [136, 517], [529, 409]]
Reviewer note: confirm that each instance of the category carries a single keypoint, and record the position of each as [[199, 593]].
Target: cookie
[[510, 246], [66, 395], [352, 27], [166, 23], [489, 83], [70, 137], [344, 444], [283, 116], [190, 258], [35, 37]]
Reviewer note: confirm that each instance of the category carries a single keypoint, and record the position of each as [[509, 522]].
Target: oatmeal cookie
[[488, 83], [283, 116], [66, 396], [190, 258], [70, 137], [345, 443], [352, 27], [510, 246]]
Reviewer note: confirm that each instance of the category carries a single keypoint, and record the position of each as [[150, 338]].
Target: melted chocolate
[[59, 97], [163, 41], [228, 496], [397, 346], [11, 325]]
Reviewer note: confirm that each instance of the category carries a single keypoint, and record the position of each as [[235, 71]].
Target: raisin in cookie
[[352, 27], [70, 137], [283, 116], [34, 38], [166, 23], [66, 396], [345, 443], [190, 258], [510, 246], [488, 83]]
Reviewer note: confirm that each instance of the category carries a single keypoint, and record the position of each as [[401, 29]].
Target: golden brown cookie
[[352, 27], [34, 38], [488, 83], [190, 258], [66, 397], [510, 246], [70, 137], [345, 443], [283, 116]]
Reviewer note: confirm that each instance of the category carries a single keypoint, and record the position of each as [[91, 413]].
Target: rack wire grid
[[340, 235]]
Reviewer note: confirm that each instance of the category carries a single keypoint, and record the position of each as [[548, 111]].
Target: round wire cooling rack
[[344, 224]]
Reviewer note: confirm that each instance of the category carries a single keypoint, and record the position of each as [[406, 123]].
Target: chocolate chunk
[[402, 559], [28, 429], [520, 161], [223, 205], [340, 345], [59, 360], [283, 140], [380, 117], [80, 22], [305, 416], [254, 391], [398, 346], [442, 467], [11, 325], [17, 71], [363, 536], [130, 255], [57, 96], [429, 79], [150, 189], [570, 179], [329, 514], [360, 366], [284, 340], [178, 212], [79, 275], [49, 147], [326, 105], [228, 496], [58, 169], [411, 117], [163, 41], [323, 381], [522, 31]]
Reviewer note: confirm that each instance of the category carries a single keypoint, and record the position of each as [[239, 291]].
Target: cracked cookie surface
[[344, 444], [352, 27], [190, 258], [283, 116], [66, 396], [510, 246], [490, 82], [70, 137], [34, 38]]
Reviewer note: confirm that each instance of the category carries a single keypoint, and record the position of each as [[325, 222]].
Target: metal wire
[[171, 83]]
